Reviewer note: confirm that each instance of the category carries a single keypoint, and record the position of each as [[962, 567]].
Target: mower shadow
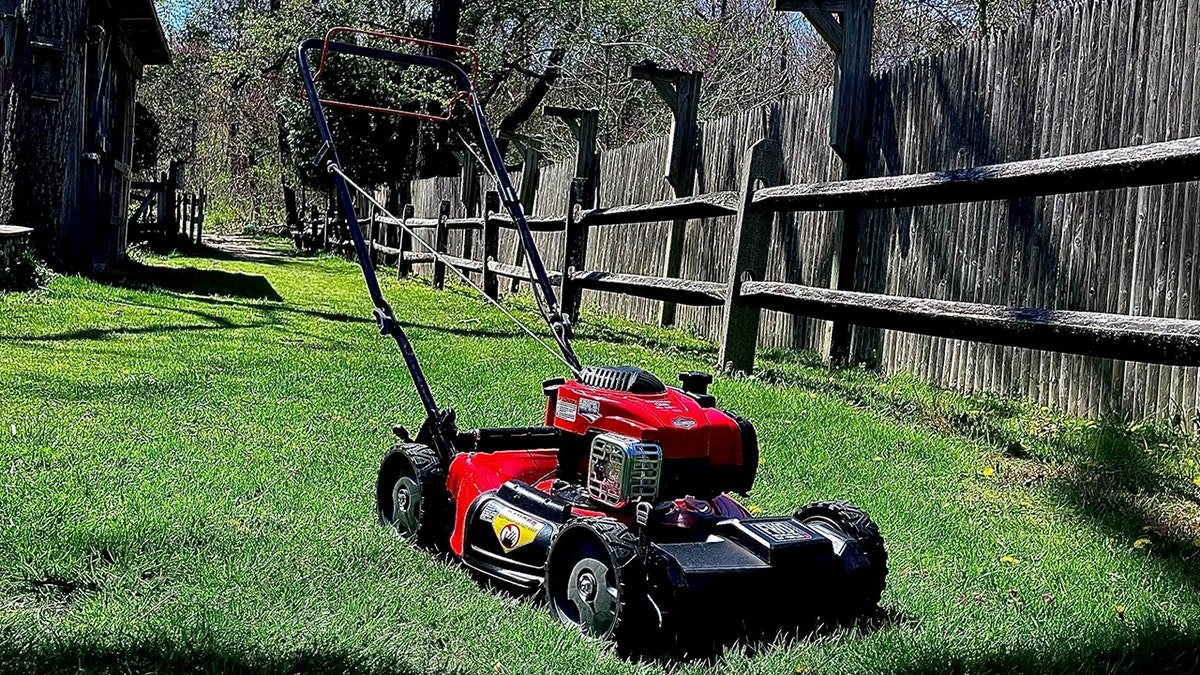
[[709, 651], [189, 280]]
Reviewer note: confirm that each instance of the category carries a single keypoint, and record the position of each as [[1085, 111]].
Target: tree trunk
[[533, 99], [444, 24], [40, 149]]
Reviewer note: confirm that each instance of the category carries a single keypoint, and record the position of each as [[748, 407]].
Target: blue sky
[[174, 12]]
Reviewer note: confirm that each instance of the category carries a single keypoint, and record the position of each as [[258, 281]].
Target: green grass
[[186, 476]]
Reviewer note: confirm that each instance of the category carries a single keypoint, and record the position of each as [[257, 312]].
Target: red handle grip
[[403, 39]]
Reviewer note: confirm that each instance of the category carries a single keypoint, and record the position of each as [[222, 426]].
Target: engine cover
[[703, 449]]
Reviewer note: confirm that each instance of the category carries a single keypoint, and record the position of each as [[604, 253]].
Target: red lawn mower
[[617, 507]]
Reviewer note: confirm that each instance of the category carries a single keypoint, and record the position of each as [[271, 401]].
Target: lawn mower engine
[[618, 510]]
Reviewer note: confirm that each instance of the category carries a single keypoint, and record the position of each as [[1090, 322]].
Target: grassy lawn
[[187, 484]]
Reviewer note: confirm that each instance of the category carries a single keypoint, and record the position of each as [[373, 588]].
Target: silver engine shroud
[[623, 469]]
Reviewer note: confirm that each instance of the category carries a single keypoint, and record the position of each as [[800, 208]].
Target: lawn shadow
[[189, 280], [106, 333], [1148, 648], [163, 655], [275, 306]]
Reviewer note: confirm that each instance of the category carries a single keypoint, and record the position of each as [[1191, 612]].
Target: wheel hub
[[587, 585], [594, 598], [406, 505]]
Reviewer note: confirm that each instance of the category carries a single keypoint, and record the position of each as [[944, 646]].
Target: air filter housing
[[623, 469]]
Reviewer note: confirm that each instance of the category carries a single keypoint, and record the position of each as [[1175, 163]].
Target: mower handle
[[439, 424], [466, 87]]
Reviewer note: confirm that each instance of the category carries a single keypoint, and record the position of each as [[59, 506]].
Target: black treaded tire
[[411, 474], [864, 585], [610, 554]]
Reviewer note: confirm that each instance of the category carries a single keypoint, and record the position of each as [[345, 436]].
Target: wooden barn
[[68, 80]]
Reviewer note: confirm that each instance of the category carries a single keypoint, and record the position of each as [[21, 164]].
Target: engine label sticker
[[684, 422], [565, 410], [781, 531], [514, 530], [589, 409]]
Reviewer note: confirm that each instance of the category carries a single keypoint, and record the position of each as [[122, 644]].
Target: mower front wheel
[[411, 497], [595, 578], [863, 555]]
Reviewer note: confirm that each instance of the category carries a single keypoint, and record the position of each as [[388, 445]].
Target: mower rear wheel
[[595, 578], [865, 581], [410, 495]]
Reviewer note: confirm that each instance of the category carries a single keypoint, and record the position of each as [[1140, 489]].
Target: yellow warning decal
[[514, 530]]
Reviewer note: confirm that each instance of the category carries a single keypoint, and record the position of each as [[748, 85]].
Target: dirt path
[[245, 248]]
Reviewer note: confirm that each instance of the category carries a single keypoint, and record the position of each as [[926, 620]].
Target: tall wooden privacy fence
[[1101, 248]]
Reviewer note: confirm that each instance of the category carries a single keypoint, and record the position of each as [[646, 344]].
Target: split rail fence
[[1157, 340]]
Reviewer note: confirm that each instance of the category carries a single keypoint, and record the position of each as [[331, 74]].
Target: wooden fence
[[1097, 245], [162, 212]]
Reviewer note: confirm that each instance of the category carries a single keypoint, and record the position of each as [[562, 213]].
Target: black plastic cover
[[622, 378], [534, 502], [780, 541]]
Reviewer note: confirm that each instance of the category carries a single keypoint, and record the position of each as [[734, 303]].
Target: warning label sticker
[[781, 531], [566, 410], [589, 409], [514, 530]]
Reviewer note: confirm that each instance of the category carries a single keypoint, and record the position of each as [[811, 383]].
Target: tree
[[256, 138]]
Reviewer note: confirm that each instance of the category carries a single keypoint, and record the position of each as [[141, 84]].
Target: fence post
[[574, 251], [491, 244], [850, 39], [441, 237], [196, 219], [403, 267], [752, 238], [164, 205], [468, 190], [203, 215], [680, 90], [371, 234]]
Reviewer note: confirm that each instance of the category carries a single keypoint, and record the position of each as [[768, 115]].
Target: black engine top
[[622, 378]]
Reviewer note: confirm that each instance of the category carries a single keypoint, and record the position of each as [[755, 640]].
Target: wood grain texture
[[1136, 338]]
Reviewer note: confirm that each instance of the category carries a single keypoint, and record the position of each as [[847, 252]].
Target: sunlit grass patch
[[187, 484]]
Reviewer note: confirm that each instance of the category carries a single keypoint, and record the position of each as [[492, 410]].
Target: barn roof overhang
[[144, 30]]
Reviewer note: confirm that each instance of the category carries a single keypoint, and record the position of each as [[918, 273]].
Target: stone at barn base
[[19, 269]]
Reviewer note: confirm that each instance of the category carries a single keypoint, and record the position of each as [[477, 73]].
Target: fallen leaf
[[1141, 543], [1120, 611], [987, 471], [1010, 560]]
